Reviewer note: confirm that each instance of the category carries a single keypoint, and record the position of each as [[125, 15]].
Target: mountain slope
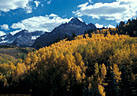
[[21, 38], [75, 26]]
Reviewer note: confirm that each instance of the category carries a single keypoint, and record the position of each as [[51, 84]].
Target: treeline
[[123, 28], [14, 52], [97, 65], [7, 46], [128, 28]]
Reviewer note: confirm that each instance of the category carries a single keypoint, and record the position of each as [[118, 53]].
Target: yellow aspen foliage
[[80, 61], [101, 90], [86, 36], [7, 69], [28, 60], [21, 68], [3, 79], [79, 37], [116, 35], [34, 58], [103, 70], [1, 76], [78, 58], [78, 76], [70, 61], [78, 66], [117, 72], [83, 76], [96, 69]]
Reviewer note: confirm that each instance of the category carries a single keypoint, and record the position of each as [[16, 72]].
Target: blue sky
[[45, 15]]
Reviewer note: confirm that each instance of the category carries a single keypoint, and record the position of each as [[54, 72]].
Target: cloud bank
[[120, 10], [40, 23], [7, 5]]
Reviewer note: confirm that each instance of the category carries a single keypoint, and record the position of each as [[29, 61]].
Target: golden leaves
[[101, 90], [117, 73], [81, 61], [103, 70], [21, 68]]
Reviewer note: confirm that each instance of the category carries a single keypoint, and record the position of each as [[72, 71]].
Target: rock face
[[22, 38], [75, 26]]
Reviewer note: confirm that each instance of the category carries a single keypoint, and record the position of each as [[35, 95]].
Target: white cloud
[[37, 3], [40, 23], [120, 10], [83, 5], [7, 5], [4, 27], [2, 33]]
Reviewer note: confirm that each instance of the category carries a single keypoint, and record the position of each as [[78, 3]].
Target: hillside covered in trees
[[68, 47], [89, 65], [128, 27]]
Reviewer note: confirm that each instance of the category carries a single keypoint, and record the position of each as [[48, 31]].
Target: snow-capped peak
[[15, 32]]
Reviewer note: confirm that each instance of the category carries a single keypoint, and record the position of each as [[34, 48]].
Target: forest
[[95, 65]]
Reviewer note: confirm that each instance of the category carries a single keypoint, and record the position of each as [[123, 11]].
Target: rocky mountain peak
[[76, 21], [74, 26]]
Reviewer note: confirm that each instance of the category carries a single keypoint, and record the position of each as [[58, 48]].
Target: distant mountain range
[[40, 39], [22, 38]]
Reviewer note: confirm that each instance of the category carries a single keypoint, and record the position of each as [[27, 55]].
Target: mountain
[[24, 38], [74, 26], [21, 38]]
